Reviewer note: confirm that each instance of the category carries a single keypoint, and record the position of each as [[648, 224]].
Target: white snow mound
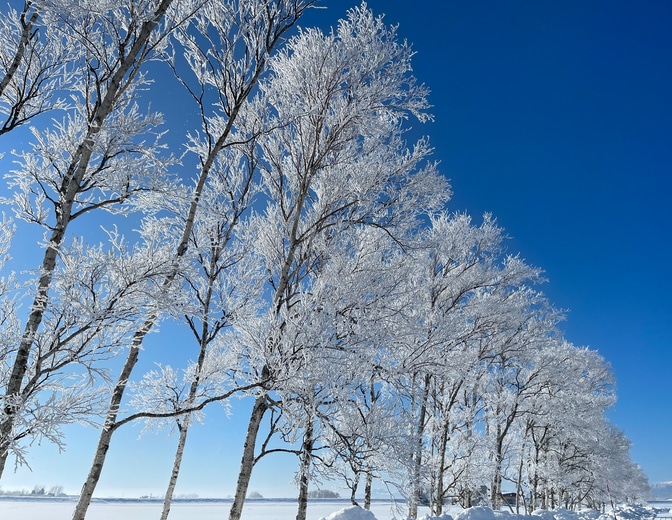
[[544, 514], [351, 513], [476, 513], [503, 514], [630, 512], [444, 516], [564, 514], [589, 514]]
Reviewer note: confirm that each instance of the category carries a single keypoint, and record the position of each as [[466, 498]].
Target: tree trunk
[[304, 470], [496, 489], [247, 461], [519, 485], [439, 492], [535, 498], [184, 428], [369, 470], [414, 499], [353, 489], [367, 490]]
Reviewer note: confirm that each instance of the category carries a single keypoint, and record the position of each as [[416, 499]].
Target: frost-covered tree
[[335, 161], [459, 298], [342, 320], [567, 413], [515, 374]]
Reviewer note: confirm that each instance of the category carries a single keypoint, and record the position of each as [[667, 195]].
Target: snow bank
[[477, 513], [444, 516], [625, 512], [565, 514], [508, 515], [546, 514], [351, 513], [630, 512], [269, 510], [589, 514]]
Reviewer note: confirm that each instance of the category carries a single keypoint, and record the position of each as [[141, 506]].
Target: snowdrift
[[351, 513], [625, 512]]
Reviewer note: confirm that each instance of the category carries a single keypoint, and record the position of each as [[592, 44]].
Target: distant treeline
[[54, 491]]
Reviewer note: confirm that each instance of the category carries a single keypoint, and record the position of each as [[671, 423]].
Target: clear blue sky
[[557, 118]]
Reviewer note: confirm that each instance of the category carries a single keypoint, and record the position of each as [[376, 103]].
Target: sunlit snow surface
[[37, 509], [45, 509], [351, 513]]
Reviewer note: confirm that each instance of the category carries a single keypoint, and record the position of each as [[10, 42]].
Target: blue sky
[[556, 117]]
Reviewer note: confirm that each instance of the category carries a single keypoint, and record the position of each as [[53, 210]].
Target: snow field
[[269, 510], [116, 510]]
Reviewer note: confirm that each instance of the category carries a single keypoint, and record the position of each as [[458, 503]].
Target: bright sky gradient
[[556, 117]]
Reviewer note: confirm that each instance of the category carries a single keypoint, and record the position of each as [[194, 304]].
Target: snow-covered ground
[[38, 509], [46, 509]]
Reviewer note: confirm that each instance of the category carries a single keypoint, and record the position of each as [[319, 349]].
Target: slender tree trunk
[[247, 461], [496, 491], [367, 490], [417, 449], [167, 501], [369, 470], [534, 493], [37, 311], [439, 492], [304, 470], [519, 485], [353, 489], [129, 365]]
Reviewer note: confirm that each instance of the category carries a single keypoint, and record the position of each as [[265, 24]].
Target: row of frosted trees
[[288, 224]]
